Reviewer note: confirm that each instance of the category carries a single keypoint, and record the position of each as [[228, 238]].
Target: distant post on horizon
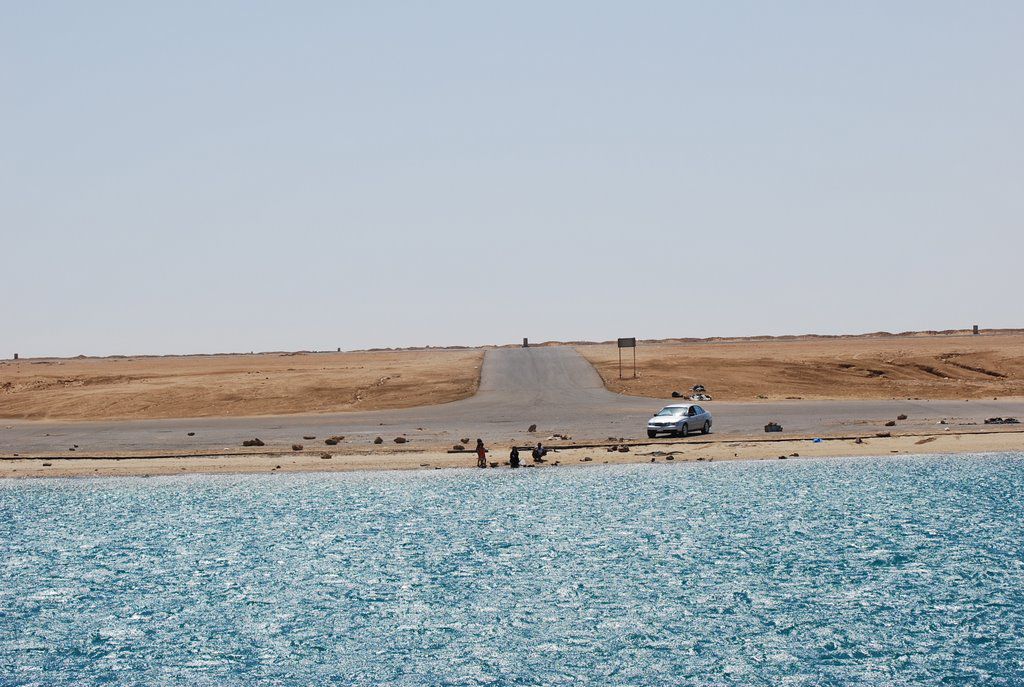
[[15, 356], [627, 343], [976, 332], [526, 342]]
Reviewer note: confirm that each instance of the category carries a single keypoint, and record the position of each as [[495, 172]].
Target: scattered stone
[[794, 455], [883, 435], [532, 428], [325, 456], [46, 465], [943, 421], [782, 457], [762, 396], [252, 442], [191, 434], [654, 460], [465, 441], [613, 448], [612, 439], [623, 449], [71, 448], [424, 465], [1002, 421], [493, 465], [901, 416], [378, 440], [309, 438], [676, 394], [458, 447], [890, 423], [400, 440], [773, 427], [670, 457], [296, 447], [587, 459], [858, 440], [331, 442]]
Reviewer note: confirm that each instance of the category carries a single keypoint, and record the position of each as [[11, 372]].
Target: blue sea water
[[852, 571]]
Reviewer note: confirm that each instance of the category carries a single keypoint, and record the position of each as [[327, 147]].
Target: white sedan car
[[679, 420]]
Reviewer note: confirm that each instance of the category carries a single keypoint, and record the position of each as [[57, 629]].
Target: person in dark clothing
[[481, 454], [539, 453], [513, 457]]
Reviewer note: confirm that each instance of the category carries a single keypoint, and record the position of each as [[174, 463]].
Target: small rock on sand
[[378, 440], [325, 456], [296, 447], [458, 447], [532, 428], [773, 427], [890, 423], [252, 442], [309, 438], [191, 434], [901, 416], [331, 442], [400, 440]]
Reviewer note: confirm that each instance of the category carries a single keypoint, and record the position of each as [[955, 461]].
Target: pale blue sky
[[203, 177]]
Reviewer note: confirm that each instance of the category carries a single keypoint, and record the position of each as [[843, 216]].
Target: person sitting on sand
[[481, 454], [513, 458], [539, 453]]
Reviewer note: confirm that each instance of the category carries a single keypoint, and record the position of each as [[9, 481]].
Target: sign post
[[627, 343]]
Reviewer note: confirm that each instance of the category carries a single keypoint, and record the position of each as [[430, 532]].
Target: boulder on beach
[[773, 427], [252, 442], [532, 428], [378, 440], [901, 416], [296, 447], [890, 423], [400, 440]]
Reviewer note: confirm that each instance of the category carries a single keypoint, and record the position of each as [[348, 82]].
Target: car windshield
[[671, 411]]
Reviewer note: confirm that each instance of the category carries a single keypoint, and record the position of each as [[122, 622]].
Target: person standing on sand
[[481, 454], [513, 458]]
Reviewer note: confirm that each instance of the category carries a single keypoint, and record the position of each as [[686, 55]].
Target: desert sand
[[234, 385], [869, 367], [707, 449]]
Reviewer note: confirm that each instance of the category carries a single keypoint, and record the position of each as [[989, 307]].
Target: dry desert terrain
[[869, 367], [232, 385]]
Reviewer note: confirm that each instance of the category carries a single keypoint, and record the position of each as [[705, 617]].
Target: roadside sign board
[[627, 343]]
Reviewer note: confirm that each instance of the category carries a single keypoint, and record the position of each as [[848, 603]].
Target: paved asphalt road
[[553, 387]]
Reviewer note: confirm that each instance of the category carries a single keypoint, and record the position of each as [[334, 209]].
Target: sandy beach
[[709, 448]]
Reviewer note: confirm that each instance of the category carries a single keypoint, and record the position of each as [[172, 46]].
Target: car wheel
[[706, 428], [684, 430], [651, 435]]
